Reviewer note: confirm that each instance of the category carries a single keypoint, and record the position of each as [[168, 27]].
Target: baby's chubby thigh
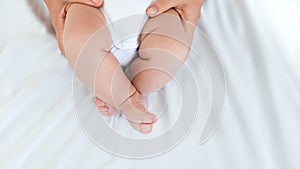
[[165, 32], [82, 25], [164, 47], [87, 42]]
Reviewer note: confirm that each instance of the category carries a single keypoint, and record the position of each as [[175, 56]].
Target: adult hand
[[189, 10], [58, 11]]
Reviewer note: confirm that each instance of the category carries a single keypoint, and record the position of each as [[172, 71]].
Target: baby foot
[[104, 108], [134, 109]]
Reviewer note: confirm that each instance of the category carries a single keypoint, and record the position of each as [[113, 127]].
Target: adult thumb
[[161, 6], [94, 3]]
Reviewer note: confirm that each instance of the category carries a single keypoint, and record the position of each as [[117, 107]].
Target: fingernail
[[95, 1], [152, 11]]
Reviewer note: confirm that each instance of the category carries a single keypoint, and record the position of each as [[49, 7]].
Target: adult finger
[[94, 3], [57, 13], [161, 6]]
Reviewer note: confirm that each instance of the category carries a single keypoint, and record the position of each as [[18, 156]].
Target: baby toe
[[135, 126], [146, 128], [99, 102], [142, 128], [105, 114], [103, 108], [147, 118]]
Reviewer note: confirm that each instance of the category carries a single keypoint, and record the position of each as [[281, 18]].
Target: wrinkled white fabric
[[258, 42]]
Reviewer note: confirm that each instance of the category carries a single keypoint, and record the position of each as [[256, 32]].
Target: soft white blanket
[[258, 45]]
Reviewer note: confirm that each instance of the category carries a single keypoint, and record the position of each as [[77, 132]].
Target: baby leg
[[87, 42], [164, 47], [165, 44]]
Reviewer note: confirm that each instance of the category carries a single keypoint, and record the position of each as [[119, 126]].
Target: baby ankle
[[125, 101]]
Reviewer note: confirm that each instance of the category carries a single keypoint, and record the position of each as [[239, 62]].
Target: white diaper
[[125, 19], [124, 56]]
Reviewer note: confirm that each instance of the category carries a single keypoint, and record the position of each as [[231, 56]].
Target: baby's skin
[[140, 119], [164, 47]]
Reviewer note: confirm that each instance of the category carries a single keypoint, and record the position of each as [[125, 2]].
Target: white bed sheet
[[258, 43]]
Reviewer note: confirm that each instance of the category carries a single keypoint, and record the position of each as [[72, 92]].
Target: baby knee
[[167, 24], [167, 34], [163, 47]]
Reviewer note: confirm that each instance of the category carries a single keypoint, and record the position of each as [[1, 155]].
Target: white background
[[258, 42]]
